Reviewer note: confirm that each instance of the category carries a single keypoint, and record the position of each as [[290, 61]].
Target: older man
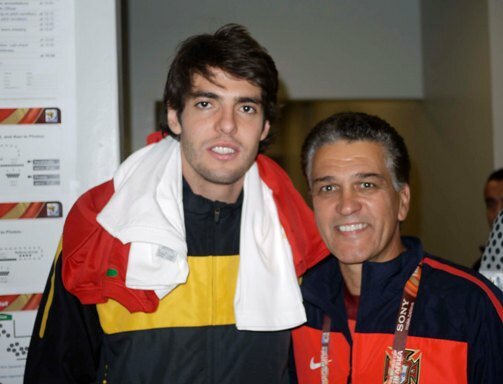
[[382, 310]]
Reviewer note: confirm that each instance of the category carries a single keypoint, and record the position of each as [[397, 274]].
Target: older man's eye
[[327, 188]]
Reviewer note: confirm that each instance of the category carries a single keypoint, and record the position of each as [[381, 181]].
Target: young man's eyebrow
[[246, 99], [207, 95], [214, 96]]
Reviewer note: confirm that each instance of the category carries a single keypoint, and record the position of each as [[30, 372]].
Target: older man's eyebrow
[[323, 179], [368, 175]]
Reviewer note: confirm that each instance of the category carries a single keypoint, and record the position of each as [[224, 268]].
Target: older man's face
[[357, 209]]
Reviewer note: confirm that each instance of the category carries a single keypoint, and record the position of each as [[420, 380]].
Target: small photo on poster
[[31, 210], [19, 116]]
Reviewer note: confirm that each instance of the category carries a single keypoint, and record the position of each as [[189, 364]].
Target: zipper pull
[[216, 215]]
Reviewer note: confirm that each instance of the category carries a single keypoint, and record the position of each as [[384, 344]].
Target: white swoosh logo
[[314, 366]]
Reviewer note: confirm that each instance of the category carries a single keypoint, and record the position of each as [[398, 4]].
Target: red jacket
[[455, 336]]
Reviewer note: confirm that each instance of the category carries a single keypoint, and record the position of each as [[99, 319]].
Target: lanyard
[[402, 326], [401, 331], [325, 342]]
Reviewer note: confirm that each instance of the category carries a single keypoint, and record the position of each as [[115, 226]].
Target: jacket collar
[[322, 285], [198, 204]]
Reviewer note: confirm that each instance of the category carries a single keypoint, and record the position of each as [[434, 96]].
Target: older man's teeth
[[223, 150], [351, 227]]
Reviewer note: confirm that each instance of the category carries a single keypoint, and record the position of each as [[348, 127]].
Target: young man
[[383, 310], [170, 272]]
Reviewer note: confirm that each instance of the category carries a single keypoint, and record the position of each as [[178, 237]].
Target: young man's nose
[[227, 121]]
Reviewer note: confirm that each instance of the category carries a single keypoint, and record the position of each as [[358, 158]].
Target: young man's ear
[[173, 122], [265, 131]]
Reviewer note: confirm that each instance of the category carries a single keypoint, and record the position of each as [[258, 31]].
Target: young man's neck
[[217, 192]]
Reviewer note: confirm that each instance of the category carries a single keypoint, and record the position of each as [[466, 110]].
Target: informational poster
[[37, 161]]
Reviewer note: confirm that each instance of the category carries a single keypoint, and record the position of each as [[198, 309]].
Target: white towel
[[146, 210], [267, 294]]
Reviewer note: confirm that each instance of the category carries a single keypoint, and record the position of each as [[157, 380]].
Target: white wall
[[495, 11], [324, 49]]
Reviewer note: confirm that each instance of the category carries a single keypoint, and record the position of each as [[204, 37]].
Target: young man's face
[[357, 209], [220, 129], [493, 197]]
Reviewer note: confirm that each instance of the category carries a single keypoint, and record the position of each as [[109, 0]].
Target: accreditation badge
[[411, 366]]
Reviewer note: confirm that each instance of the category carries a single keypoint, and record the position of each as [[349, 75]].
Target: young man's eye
[[203, 104], [248, 109]]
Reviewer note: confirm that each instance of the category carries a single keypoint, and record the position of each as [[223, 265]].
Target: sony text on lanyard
[[395, 371]]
